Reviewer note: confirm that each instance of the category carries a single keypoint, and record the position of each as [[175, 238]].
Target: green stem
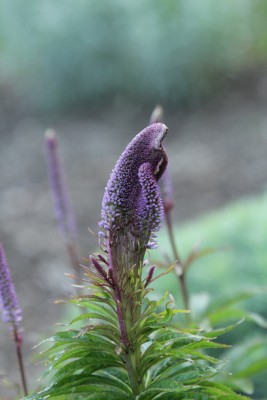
[[132, 353], [132, 301], [74, 261], [128, 302]]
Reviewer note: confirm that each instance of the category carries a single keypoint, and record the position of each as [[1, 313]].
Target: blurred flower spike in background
[[11, 312], [62, 203]]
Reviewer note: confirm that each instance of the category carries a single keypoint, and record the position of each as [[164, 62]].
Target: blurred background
[[94, 72]]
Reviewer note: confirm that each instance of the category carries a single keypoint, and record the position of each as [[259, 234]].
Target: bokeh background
[[94, 70]]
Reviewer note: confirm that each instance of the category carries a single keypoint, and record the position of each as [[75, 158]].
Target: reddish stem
[[18, 342]]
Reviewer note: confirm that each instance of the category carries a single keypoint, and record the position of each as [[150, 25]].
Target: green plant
[[128, 343], [129, 346]]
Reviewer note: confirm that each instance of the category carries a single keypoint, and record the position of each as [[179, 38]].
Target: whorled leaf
[[89, 362]]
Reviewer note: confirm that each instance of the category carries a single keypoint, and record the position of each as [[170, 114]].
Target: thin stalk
[[17, 340], [179, 270]]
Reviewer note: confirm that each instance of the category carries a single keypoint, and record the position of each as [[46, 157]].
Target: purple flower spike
[[62, 205], [11, 313], [131, 197], [166, 188]]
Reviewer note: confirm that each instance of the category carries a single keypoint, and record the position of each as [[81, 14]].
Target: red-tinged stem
[[117, 298], [18, 343], [179, 270], [127, 314], [131, 354]]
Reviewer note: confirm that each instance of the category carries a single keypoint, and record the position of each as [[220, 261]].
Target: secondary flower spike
[[62, 204], [165, 182], [166, 188], [131, 203], [11, 312]]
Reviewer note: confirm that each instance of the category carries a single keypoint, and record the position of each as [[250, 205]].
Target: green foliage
[[88, 362], [58, 54], [237, 237], [231, 285], [248, 363], [177, 362], [247, 358]]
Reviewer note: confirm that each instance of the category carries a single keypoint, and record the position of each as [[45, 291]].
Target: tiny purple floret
[[11, 312]]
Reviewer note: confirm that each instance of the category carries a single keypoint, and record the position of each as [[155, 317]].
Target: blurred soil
[[217, 154]]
